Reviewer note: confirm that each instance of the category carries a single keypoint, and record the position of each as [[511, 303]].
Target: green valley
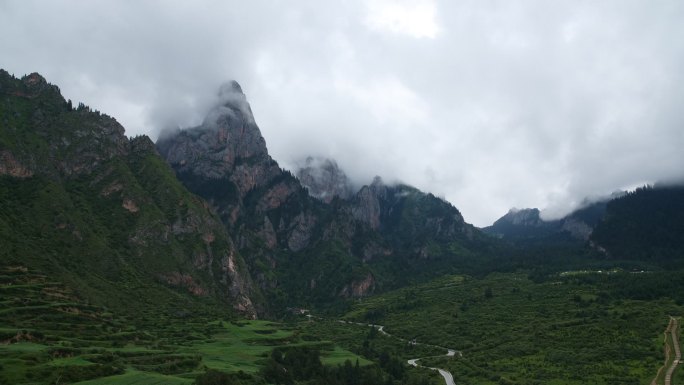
[[570, 329], [198, 260]]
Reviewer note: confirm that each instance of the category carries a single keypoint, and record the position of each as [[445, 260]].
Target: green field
[[134, 377], [570, 329], [48, 335]]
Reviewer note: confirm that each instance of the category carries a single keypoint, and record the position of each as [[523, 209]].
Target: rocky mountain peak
[[142, 145], [230, 87], [227, 140], [324, 180], [522, 217], [231, 108], [34, 79]]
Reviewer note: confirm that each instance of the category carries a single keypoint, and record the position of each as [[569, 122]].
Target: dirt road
[[670, 332], [677, 354]]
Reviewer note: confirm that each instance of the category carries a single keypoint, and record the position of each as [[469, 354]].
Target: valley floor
[[502, 329]]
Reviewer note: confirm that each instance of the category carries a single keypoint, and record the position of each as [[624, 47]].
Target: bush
[[215, 377]]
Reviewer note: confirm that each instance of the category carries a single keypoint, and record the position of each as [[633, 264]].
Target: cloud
[[490, 104], [412, 18]]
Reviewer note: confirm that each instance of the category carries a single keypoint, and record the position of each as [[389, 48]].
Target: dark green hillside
[[579, 327], [104, 214], [647, 224]]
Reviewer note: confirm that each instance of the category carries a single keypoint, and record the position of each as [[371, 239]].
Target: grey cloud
[[513, 103]]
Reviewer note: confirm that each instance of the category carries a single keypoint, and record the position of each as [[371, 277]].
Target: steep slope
[[105, 214], [647, 224], [301, 246], [324, 180]]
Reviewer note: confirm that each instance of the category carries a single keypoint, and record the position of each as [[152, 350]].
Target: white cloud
[[417, 18], [491, 104]]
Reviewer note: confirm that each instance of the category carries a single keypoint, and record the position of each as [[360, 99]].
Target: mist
[[491, 105]]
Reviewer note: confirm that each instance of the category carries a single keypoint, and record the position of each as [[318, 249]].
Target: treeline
[[647, 224], [644, 286], [303, 366]]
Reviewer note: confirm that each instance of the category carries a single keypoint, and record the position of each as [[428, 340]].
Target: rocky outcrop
[[70, 149], [359, 288], [324, 180], [404, 209], [10, 166], [225, 159], [185, 281], [117, 207], [577, 228], [300, 234], [234, 274], [228, 144], [523, 217], [366, 204]]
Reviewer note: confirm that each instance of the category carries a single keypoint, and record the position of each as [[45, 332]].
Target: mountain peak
[[34, 79], [231, 108], [324, 180], [228, 143], [230, 87]]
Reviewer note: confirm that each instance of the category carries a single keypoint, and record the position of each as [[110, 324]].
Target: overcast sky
[[489, 104]]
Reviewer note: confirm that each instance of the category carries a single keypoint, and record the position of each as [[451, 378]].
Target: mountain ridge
[[357, 244], [109, 209]]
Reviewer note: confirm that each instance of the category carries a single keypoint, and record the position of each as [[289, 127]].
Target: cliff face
[[63, 144], [225, 160], [228, 144], [107, 206], [324, 180], [302, 245]]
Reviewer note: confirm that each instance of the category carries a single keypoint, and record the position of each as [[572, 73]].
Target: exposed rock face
[[228, 142], [577, 228], [225, 160], [366, 206], [72, 149], [389, 209], [185, 281], [359, 288], [296, 236], [324, 180], [126, 202], [10, 166], [302, 229], [235, 276], [524, 217]]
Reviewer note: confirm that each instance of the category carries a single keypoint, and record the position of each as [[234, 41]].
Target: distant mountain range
[[646, 224], [527, 223]]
